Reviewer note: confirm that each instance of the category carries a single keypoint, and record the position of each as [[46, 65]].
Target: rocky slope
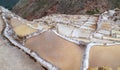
[[31, 9]]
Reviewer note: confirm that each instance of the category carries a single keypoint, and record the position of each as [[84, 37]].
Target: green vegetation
[[42, 5], [114, 3], [93, 11]]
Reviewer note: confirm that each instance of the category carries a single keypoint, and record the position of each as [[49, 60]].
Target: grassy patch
[[93, 11]]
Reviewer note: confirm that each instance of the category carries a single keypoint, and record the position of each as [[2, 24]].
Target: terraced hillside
[[66, 42]]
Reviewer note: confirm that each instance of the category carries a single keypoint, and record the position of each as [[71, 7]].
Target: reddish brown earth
[[62, 53], [31, 9]]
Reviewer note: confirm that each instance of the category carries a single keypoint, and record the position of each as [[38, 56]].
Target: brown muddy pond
[[58, 51], [105, 56]]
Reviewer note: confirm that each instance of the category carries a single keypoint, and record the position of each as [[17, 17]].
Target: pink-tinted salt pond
[[62, 53], [105, 56]]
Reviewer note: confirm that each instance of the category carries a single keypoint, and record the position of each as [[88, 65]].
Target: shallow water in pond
[[62, 53], [105, 56]]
